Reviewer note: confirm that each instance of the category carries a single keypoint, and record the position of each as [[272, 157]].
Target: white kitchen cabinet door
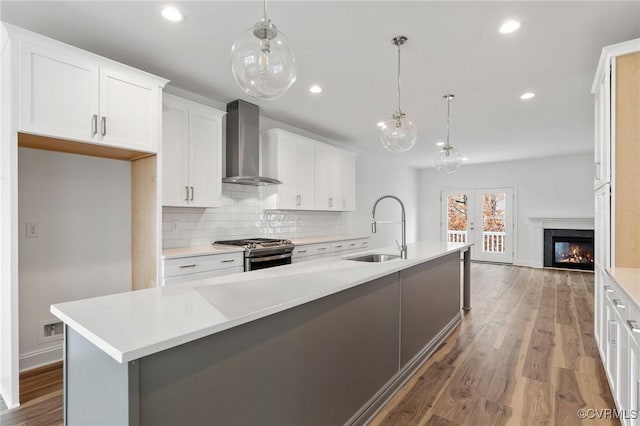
[[603, 117], [58, 94], [348, 182], [634, 381], [175, 153], [305, 175], [191, 154], [328, 178], [205, 157], [129, 109], [287, 170]]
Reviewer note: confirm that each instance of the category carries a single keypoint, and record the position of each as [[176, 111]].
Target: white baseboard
[[40, 357], [527, 262]]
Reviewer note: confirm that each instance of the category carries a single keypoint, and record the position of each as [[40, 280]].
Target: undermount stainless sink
[[376, 257]]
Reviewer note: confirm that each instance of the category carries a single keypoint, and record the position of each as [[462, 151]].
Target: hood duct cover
[[243, 145]]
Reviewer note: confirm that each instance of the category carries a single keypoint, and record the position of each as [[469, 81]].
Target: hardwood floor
[[524, 355], [40, 397]]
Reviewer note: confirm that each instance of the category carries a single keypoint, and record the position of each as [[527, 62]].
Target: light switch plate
[[33, 230]]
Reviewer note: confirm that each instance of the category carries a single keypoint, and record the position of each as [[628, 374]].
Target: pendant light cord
[[448, 119], [399, 110], [265, 10]]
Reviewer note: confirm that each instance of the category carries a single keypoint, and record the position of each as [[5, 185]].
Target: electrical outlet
[[174, 225], [33, 230], [50, 330]]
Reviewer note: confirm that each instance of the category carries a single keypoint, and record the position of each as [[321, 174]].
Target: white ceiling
[[453, 47]]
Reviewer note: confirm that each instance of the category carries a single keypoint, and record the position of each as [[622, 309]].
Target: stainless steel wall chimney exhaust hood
[[243, 145]]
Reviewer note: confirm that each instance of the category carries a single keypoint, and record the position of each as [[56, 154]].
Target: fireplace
[[568, 248]]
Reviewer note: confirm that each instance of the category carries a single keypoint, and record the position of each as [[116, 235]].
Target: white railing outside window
[[492, 242], [456, 236]]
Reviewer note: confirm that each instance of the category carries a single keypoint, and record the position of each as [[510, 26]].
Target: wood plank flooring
[[40, 397], [524, 355]]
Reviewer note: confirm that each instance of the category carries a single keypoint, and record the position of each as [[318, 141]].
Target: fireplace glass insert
[[568, 248]]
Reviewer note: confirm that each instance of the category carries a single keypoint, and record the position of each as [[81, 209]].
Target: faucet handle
[[400, 248]]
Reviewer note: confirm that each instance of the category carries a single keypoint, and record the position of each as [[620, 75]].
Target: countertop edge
[[123, 356]]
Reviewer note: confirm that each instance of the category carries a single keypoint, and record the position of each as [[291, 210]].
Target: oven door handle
[[268, 258]]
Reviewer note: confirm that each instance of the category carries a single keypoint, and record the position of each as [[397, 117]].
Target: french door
[[483, 217]]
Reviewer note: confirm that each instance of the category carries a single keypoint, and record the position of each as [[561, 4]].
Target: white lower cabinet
[[192, 268], [617, 318], [634, 381], [306, 252]]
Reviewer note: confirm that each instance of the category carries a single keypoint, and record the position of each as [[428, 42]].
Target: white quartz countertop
[[174, 253], [629, 280], [131, 325]]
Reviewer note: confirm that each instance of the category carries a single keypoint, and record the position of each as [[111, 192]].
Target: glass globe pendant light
[[262, 60], [448, 159], [398, 133]]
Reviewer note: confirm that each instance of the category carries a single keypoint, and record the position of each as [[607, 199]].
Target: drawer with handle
[[197, 264], [633, 321]]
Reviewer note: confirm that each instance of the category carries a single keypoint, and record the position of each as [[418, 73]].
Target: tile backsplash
[[242, 216]]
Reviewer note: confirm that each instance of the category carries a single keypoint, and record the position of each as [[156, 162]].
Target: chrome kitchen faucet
[[403, 247]]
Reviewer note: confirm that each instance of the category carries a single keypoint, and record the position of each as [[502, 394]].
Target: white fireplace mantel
[[562, 222], [539, 224]]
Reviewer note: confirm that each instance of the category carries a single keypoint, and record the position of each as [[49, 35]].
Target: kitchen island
[[321, 342]]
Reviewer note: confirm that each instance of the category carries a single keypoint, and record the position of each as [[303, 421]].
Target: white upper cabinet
[[348, 181], [311, 173], [291, 162], [328, 164], [602, 157], [290, 159], [58, 94], [191, 153], [67, 93], [129, 111]]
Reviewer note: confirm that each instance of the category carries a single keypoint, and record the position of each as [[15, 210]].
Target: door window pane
[[493, 222], [457, 218]]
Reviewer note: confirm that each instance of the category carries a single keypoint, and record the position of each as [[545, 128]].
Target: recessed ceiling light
[[509, 26], [172, 14], [380, 123], [527, 95], [315, 89], [439, 143], [465, 158]]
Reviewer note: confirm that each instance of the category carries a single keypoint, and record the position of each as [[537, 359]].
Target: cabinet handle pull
[[612, 334], [618, 303], [186, 191], [330, 202], [187, 266], [94, 124], [608, 289], [338, 246], [322, 248], [302, 251], [633, 325], [192, 192], [298, 200], [103, 125], [597, 166], [352, 244], [227, 261]]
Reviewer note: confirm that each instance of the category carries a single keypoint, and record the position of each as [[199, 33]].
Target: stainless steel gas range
[[260, 253]]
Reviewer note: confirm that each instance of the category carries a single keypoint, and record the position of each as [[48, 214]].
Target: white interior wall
[[82, 206], [557, 187]]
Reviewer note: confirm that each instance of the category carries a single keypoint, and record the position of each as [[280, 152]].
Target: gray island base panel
[[331, 361]]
